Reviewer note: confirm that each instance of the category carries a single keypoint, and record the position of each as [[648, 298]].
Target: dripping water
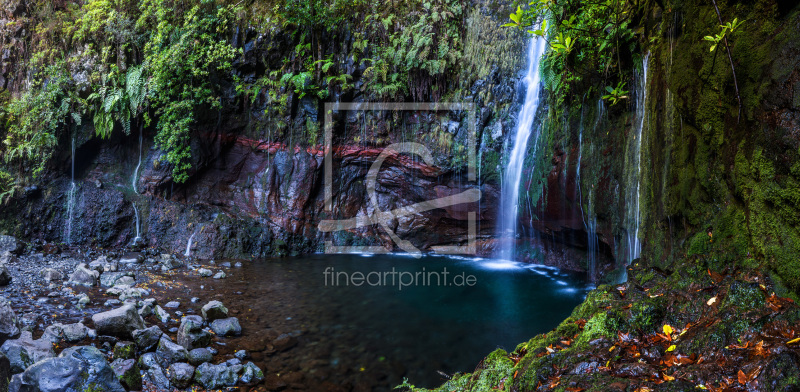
[[71, 197], [634, 170]]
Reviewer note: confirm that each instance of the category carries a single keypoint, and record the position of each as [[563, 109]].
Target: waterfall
[[634, 166], [71, 197], [136, 211], [509, 202], [136, 171], [189, 245]]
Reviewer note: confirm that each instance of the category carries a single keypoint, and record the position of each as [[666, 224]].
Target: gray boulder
[[11, 245], [191, 334], [9, 325], [109, 279], [147, 338], [76, 369], [120, 322], [227, 327], [70, 333], [199, 356], [204, 272], [52, 275], [180, 374], [216, 376], [168, 352], [25, 351], [214, 310], [84, 276]]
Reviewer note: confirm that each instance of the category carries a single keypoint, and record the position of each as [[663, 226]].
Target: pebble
[[220, 275]]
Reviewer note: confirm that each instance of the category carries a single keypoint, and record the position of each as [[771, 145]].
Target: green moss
[[744, 296]]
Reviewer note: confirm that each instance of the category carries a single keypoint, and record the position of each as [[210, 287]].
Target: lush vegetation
[[106, 66]]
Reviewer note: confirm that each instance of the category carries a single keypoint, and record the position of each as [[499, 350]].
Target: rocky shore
[[94, 320]]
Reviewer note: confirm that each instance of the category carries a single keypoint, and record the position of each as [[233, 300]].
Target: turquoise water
[[372, 336]]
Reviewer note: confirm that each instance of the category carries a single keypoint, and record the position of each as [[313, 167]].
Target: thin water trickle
[[509, 202], [136, 212], [135, 177], [189, 245], [71, 198], [633, 182]]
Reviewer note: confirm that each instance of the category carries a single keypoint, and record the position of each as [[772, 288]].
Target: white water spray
[[509, 203]]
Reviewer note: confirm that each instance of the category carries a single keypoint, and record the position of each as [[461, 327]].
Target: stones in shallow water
[[180, 374], [120, 322], [77, 368], [199, 356], [25, 351], [127, 373], [284, 342], [214, 310], [205, 272], [220, 275], [227, 327], [191, 334], [241, 354], [147, 338]]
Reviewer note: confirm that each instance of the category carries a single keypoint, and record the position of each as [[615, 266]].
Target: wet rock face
[[77, 368]]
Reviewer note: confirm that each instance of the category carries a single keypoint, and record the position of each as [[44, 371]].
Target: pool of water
[[370, 321]]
